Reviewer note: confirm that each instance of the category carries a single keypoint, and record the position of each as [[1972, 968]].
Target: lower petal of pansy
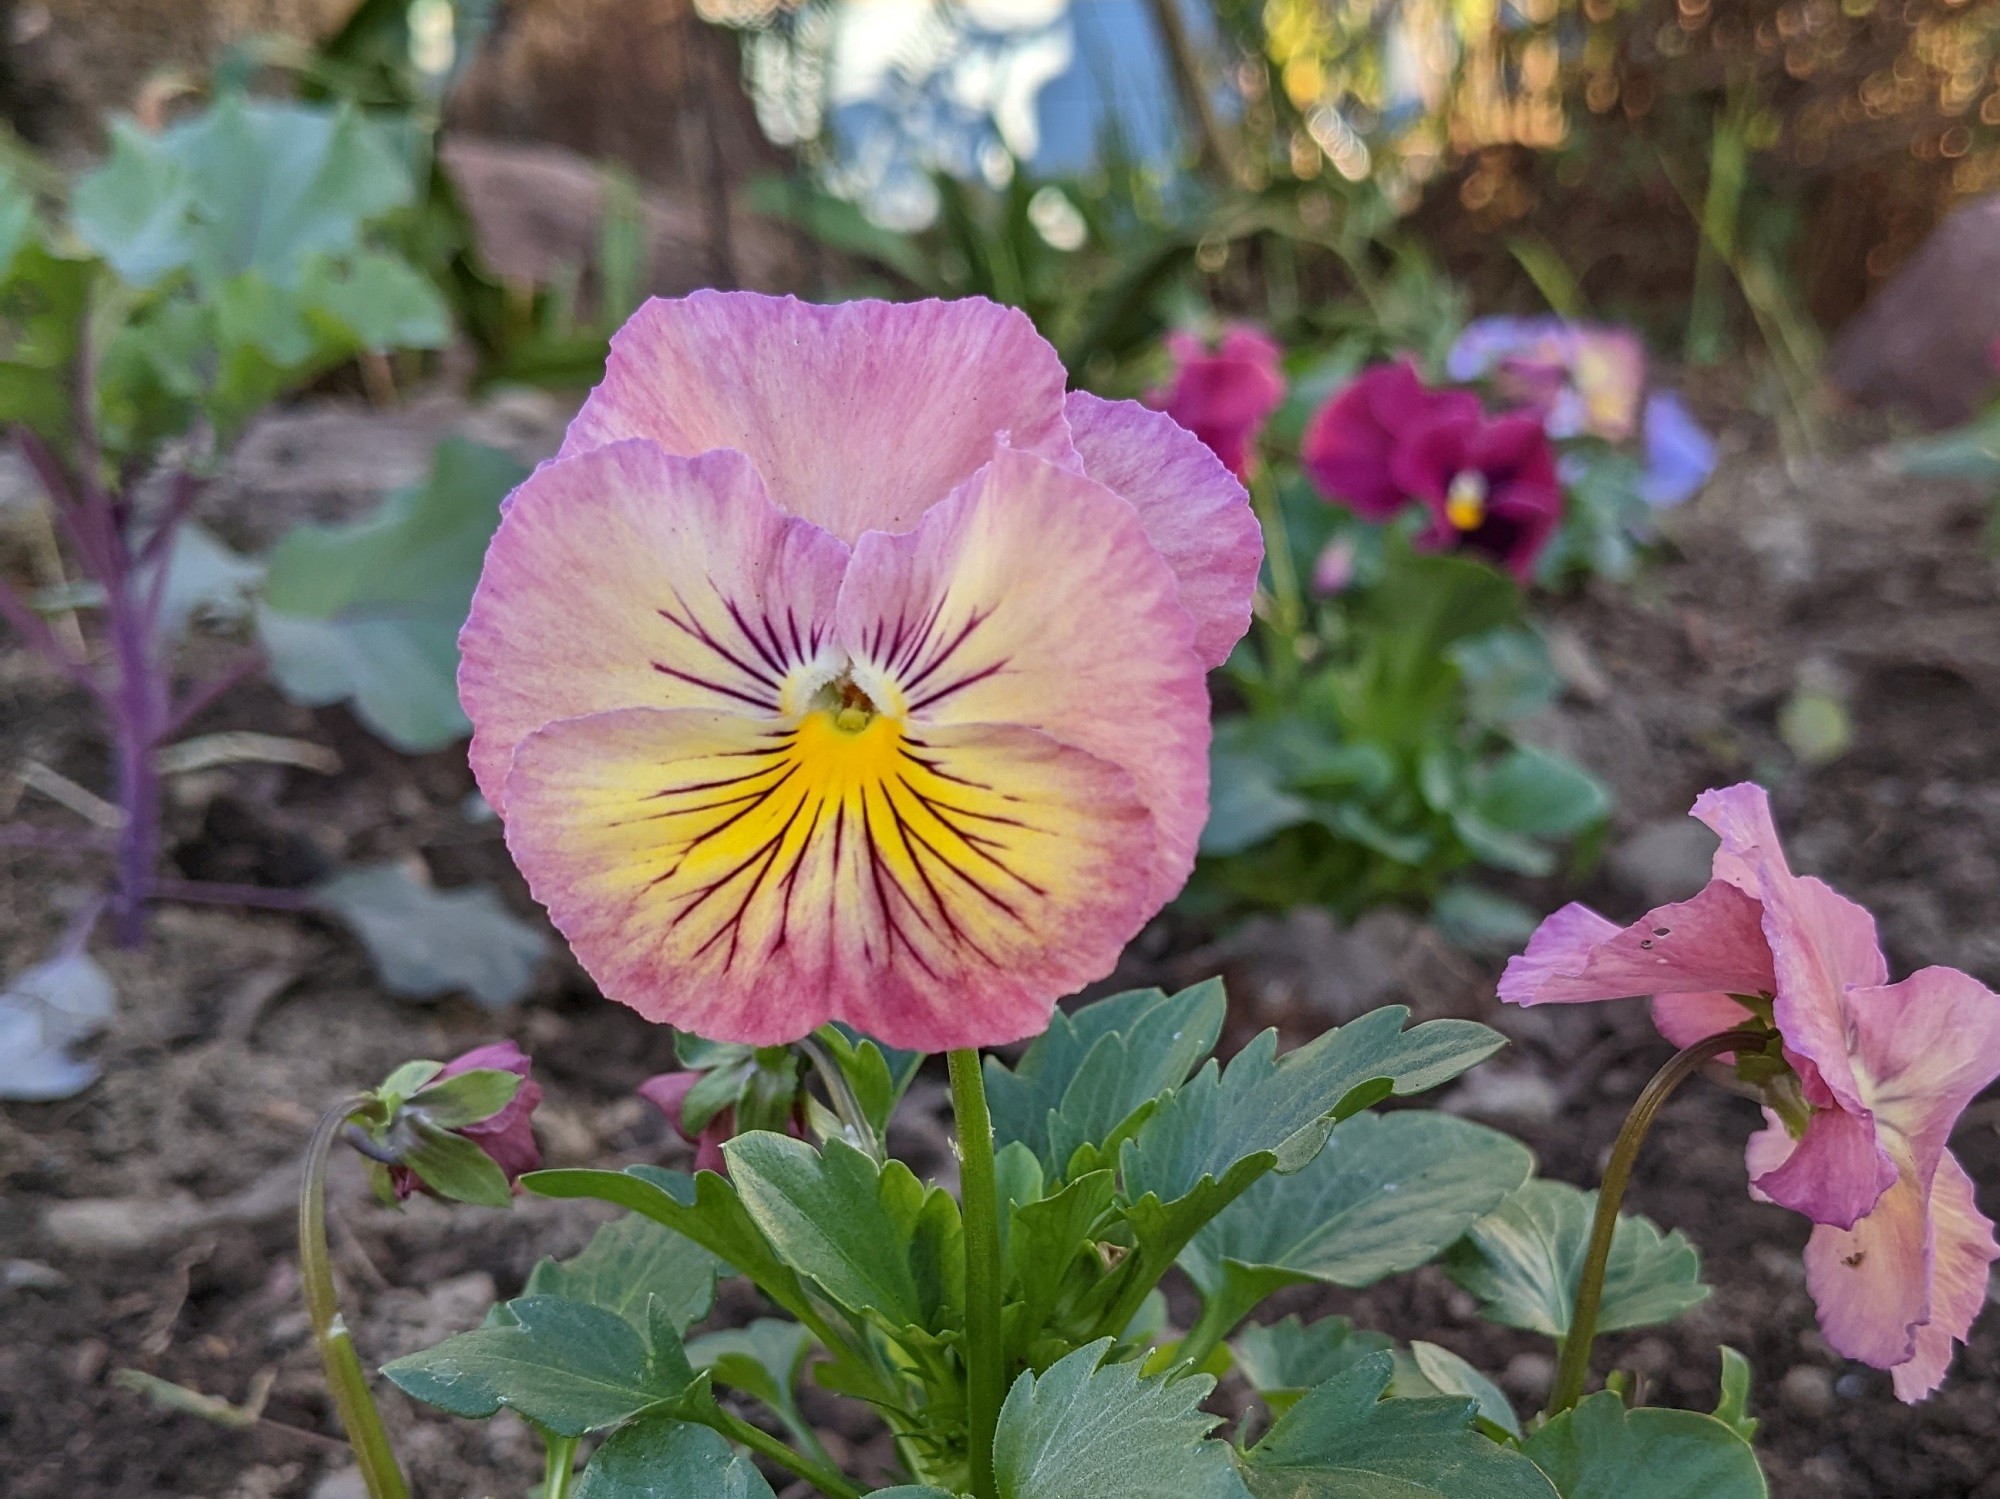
[[750, 878], [1962, 1253], [1871, 1282], [1032, 596], [1193, 509], [1837, 1174], [626, 578]]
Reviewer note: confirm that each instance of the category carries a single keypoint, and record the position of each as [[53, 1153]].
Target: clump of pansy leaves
[[840, 687], [1376, 745]]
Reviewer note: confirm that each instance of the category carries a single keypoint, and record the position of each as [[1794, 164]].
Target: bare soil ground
[[145, 1224]]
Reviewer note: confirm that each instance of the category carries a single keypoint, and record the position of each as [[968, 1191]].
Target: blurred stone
[[122, 1225], [1923, 342], [1807, 1390], [1664, 861], [1529, 1375], [1517, 1094], [1576, 665], [341, 1483]]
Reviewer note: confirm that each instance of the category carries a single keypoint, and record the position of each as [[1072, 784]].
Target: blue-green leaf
[[427, 942], [1085, 1431], [661, 1457], [629, 1263], [1343, 1441], [1523, 1261], [1601, 1450]]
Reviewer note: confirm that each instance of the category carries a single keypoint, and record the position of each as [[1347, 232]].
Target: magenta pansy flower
[[1489, 483], [1224, 395], [1350, 444], [508, 1137], [1899, 1256], [841, 666]]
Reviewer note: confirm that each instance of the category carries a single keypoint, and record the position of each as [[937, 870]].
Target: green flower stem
[[1288, 613], [1573, 1367], [344, 1376], [559, 1463], [758, 1440], [985, 1357]]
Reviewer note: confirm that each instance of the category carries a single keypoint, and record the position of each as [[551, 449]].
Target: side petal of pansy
[[1194, 511], [624, 577], [1033, 596], [1712, 944], [749, 879], [858, 415]]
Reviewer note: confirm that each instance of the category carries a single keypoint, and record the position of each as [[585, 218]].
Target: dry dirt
[[144, 1224]]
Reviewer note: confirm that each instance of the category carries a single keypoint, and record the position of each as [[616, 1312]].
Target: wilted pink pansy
[[842, 667], [507, 1137], [1898, 1260], [1224, 395]]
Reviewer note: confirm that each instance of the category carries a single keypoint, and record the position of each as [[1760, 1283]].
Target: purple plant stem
[[138, 714], [199, 698], [216, 893]]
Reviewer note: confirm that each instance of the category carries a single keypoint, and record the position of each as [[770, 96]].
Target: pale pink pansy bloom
[[1897, 1262], [842, 667]]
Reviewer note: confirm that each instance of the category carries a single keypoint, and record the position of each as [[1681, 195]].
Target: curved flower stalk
[[842, 667], [1873, 1076]]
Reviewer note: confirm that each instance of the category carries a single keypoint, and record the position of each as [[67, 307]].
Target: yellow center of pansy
[[1465, 501]]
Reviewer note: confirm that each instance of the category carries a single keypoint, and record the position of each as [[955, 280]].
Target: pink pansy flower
[[842, 667], [1349, 446], [1489, 483], [1898, 1260], [508, 1137], [1581, 377], [1224, 395], [668, 1093]]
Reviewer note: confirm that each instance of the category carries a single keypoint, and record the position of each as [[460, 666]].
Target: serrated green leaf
[[1207, 1142], [627, 1264], [704, 1208], [1388, 1193], [1125, 1070], [467, 1097], [569, 1367], [1161, 1033], [376, 301], [870, 1235], [1523, 1261], [427, 942], [1428, 1370], [764, 1361], [1343, 1441], [370, 612], [1601, 1450], [878, 1074], [1045, 1238], [660, 1457], [1085, 1431], [453, 1166], [1285, 1359]]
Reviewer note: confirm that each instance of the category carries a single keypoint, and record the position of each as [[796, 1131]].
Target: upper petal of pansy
[[859, 416], [1711, 943], [1821, 942], [1924, 1049], [1192, 507], [750, 878], [1033, 596], [625, 578], [1962, 1252]]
